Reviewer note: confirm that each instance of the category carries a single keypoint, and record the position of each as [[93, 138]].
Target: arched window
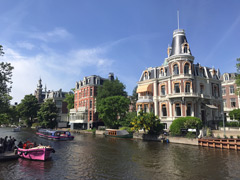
[[185, 49], [161, 72], [186, 68], [175, 69], [226, 77], [178, 109], [164, 110], [163, 90], [187, 87]]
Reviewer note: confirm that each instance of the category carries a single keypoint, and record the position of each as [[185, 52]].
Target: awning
[[145, 88], [211, 106]]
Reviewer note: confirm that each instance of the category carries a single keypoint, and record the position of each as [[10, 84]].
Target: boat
[[55, 134], [118, 133], [17, 129], [40, 152]]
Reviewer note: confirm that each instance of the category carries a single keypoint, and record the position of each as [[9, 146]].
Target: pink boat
[[40, 153]]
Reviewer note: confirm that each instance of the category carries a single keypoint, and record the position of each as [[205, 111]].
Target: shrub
[[186, 123], [238, 136], [128, 129], [190, 135], [231, 137]]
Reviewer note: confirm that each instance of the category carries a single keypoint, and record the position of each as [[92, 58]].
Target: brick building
[[181, 88], [84, 115], [229, 94]]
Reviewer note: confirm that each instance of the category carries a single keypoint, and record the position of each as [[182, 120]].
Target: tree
[[112, 103], [112, 110], [5, 84], [1, 51], [28, 109], [134, 98], [235, 114], [126, 122], [148, 122], [69, 99], [47, 115]]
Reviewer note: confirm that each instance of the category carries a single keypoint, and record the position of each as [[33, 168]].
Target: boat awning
[[211, 106], [145, 88]]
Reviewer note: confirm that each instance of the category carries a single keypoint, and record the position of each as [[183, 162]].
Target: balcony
[[146, 97], [175, 95]]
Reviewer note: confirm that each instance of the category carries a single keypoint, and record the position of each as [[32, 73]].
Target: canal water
[[96, 157]]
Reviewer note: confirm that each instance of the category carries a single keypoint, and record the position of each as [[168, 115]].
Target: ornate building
[[181, 88], [84, 115], [58, 98], [229, 90]]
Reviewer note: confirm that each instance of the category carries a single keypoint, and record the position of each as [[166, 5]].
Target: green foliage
[[47, 115], [225, 137], [185, 123], [69, 99], [147, 121], [231, 137], [28, 109], [1, 50], [230, 124], [126, 122], [4, 118], [5, 84], [235, 114], [238, 136], [209, 132], [34, 125], [112, 110], [134, 98], [112, 103], [190, 135]]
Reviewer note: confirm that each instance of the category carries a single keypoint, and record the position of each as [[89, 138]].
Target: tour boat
[[118, 133], [55, 134], [40, 152]]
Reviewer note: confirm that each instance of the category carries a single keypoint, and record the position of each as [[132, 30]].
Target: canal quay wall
[[162, 138]]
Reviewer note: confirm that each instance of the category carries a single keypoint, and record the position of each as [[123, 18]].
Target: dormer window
[[161, 72], [185, 47], [175, 69], [226, 78]]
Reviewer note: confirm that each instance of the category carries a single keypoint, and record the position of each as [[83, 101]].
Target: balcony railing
[[145, 97]]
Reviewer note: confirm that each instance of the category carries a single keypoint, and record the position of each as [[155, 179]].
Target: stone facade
[[229, 94], [181, 88]]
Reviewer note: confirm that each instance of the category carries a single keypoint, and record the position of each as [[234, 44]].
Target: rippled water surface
[[97, 157]]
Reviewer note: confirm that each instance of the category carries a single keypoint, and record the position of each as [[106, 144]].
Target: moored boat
[[118, 133], [40, 153], [17, 129], [55, 134]]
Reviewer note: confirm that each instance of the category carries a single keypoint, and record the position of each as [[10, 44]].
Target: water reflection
[[97, 157]]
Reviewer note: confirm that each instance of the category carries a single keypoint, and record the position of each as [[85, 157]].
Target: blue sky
[[63, 41]]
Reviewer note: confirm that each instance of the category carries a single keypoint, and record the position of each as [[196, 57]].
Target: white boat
[[17, 129]]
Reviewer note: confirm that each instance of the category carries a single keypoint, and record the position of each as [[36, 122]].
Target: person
[[20, 144]]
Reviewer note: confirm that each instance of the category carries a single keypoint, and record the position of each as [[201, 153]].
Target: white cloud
[[57, 71], [54, 35], [25, 45]]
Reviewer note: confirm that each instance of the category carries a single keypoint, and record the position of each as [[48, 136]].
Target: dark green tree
[[126, 122], [235, 114], [69, 99], [134, 98], [112, 103], [28, 109], [1, 51], [47, 115], [112, 110], [148, 122]]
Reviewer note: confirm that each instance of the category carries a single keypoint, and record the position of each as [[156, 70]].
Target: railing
[[220, 143], [145, 97]]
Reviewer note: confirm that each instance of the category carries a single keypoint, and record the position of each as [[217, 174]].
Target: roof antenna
[[178, 18]]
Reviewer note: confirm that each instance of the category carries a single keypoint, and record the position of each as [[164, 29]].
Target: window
[[163, 90], [90, 116], [226, 78], [224, 103], [232, 90], [161, 72], [90, 104], [164, 110], [201, 88], [145, 108], [189, 109], [187, 87], [186, 68], [178, 110], [185, 49], [176, 88], [91, 92], [233, 102], [175, 69], [223, 91]]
